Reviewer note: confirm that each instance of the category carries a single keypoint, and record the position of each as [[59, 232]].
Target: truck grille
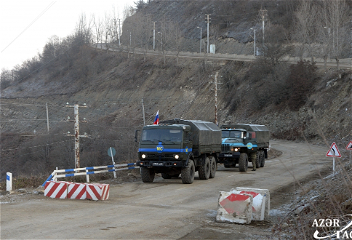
[[225, 147], [158, 155]]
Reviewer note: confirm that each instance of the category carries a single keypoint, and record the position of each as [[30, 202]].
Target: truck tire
[[243, 162], [262, 161], [166, 176], [187, 173], [213, 167], [147, 174], [204, 169]]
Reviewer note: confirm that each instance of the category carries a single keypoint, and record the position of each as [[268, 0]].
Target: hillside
[[314, 104]]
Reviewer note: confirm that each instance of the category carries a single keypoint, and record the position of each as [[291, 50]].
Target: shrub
[[300, 83]]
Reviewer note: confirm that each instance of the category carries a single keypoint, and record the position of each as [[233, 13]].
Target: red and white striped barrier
[[77, 191], [235, 207], [56, 189], [96, 191], [261, 202], [242, 205], [63, 190]]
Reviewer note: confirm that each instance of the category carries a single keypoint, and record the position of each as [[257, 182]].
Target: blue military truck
[[243, 143], [177, 147]]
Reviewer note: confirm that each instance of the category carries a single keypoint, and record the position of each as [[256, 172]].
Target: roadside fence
[[62, 173]]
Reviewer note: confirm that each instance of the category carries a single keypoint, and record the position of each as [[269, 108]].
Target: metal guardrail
[[62, 173]]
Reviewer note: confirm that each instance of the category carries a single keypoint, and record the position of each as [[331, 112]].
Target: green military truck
[[242, 143], [179, 147]]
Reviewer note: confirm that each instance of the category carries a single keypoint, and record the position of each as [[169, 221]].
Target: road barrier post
[[8, 182]]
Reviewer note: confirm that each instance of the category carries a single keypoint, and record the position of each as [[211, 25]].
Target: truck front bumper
[[230, 155], [151, 163]]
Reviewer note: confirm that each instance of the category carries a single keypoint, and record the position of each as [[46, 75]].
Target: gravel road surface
[[164, 209]]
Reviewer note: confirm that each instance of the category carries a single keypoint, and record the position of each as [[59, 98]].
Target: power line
[[41, 14]]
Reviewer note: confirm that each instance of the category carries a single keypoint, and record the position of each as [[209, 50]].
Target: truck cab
[[162, 146], [177, 147], [243, 143]]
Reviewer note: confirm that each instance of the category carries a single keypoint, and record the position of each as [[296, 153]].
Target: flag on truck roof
[[156, 119]]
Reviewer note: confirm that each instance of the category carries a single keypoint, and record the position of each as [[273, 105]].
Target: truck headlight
[[144, 156], [236, 149], [177, 156]]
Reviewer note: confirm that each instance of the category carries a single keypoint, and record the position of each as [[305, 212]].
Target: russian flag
[[156, 120]]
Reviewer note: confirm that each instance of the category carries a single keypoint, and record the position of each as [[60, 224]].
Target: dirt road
[[163, 209]]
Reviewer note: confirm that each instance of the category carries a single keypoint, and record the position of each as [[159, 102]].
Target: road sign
[[112, 153], [111, 150], [349, 146], [334, 151]]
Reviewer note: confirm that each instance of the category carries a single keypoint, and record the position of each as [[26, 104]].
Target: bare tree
[[98, 27], [335, 17], [115, 26], [107, 31], [306, 27], [83, 30]]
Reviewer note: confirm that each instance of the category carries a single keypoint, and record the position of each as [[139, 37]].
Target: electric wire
[[39, 16]]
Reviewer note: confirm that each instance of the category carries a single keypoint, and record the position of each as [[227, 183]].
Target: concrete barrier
[[96, 191], [70, 190], [242, 205], [261, 202], [56, 189], [76, 191], [235, 208]]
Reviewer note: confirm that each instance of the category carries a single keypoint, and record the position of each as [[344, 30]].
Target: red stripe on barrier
[[72, 191], [52, 188], [83, 191], [62, 190]]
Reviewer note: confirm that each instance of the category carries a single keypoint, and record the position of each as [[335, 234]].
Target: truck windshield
[[162, 135], [231, 134]]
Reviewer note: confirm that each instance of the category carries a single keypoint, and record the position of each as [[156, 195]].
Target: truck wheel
[[187, 173], [204, 169], [213, 167], [147, 174], [243, 162], [262, 156], [165, 176]]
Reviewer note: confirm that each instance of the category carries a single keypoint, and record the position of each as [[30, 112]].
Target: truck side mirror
[[136, 136]]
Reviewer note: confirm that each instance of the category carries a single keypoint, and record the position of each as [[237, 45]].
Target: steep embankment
[[178, 90], [186, 90]]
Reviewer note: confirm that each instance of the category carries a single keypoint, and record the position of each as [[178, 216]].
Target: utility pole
[[161, 40], [207, 20], [264, 14], [254, 42], [47, 125], [76, 129], [216, 98], [47, 117], [200, 40], [143, 112], [119, 33], [154, 37]]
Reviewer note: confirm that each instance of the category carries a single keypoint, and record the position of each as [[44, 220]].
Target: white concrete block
[[234, 208], [261, 201]]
